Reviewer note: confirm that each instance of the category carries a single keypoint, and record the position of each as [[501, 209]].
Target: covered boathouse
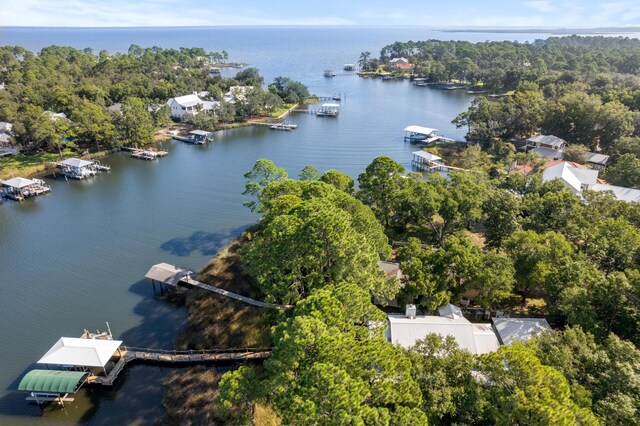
[[72, 353], [420, 134], [427, 162], [328, 110], [20, 188], [76, 168], [52, 385]]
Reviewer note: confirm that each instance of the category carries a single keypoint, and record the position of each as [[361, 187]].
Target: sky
[[460, 13]]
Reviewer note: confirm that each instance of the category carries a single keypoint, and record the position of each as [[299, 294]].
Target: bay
[[76, 258]]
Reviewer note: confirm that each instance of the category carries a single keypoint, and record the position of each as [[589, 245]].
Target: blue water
[[75, 258]]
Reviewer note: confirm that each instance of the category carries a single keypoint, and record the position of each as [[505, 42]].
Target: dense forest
[[113, 99], [522, 245]]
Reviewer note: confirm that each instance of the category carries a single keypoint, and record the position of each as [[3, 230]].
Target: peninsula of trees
[[64, 99]]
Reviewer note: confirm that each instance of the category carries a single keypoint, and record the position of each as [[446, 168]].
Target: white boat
[[329, 73]]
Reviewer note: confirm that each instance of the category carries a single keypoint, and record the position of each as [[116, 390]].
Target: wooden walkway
[[190, 281], [164, 273], [130, 354]]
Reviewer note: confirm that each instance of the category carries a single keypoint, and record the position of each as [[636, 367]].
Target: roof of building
[[18, 182], [80, 352], [420, 130], [548, 140], [330, 105], [5, 127], [427, 155], [166, 273], [117, 107], [52, 381], [630, 195], [186, 100], [76, 162], [199, 132], [518, 329], [549, 153], [404, 66], [398, 60], [476, 338], [595, 158], [573, 177], [450, 311], [391, 269], [4, 137]]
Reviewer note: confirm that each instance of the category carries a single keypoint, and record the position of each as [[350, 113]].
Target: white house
[[237, 93], [578, 178], [405, 330], [575, 177], [190, 104]]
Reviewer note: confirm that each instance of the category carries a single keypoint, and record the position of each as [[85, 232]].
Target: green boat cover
[[52, 381]]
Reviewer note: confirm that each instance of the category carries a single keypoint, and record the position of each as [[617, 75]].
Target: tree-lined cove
[[328, 200]]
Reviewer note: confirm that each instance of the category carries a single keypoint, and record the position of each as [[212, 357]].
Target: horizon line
[[434, 28]]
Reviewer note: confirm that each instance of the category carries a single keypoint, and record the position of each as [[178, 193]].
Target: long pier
[[164, 273], [131, 354]]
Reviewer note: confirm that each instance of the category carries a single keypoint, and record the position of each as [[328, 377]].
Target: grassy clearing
[[217, 322], [28, 165], [311, 101], [281, 111]]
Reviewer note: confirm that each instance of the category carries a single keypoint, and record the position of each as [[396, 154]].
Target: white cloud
[[540, 5], [122, 13]]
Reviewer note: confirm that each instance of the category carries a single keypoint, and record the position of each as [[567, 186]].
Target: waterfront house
[[405, 330], [190, 104], [578, 178], [575, 177], [237, 93], [399, 61], [548, 146], [405, 67], [510, 330]]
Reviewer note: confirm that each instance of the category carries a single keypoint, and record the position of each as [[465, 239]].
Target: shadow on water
[[206, 243], [136, 396]]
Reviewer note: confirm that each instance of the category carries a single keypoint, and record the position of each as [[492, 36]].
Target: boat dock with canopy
[[328, 110], [52, 385], [427, 162], [420, 134], [76, 168], [20, 188], [83, 354]]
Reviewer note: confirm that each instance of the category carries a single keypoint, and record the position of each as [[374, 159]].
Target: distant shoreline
[[557, 31]]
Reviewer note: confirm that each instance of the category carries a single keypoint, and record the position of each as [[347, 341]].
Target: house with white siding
[[190, 104]]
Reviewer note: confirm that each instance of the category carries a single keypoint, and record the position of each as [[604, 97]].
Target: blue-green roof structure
[[52, 381]]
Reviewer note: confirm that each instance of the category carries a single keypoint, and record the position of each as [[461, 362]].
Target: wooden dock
[[131, 354], [164, 273]]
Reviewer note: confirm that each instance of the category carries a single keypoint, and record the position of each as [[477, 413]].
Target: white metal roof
[[476, 338], [76, 162], [629, 195], [597, 158], [548, 140], [187, 100], [519, 329], [81, 352], [563, 172], [166, 273], [199, 132], [427, 155], [330, 105], [420, 130], [450, 311], [549, 153], [18, 182]]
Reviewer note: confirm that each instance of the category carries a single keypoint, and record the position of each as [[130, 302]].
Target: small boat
[[336, 97], [329, 73], [349, 67]]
